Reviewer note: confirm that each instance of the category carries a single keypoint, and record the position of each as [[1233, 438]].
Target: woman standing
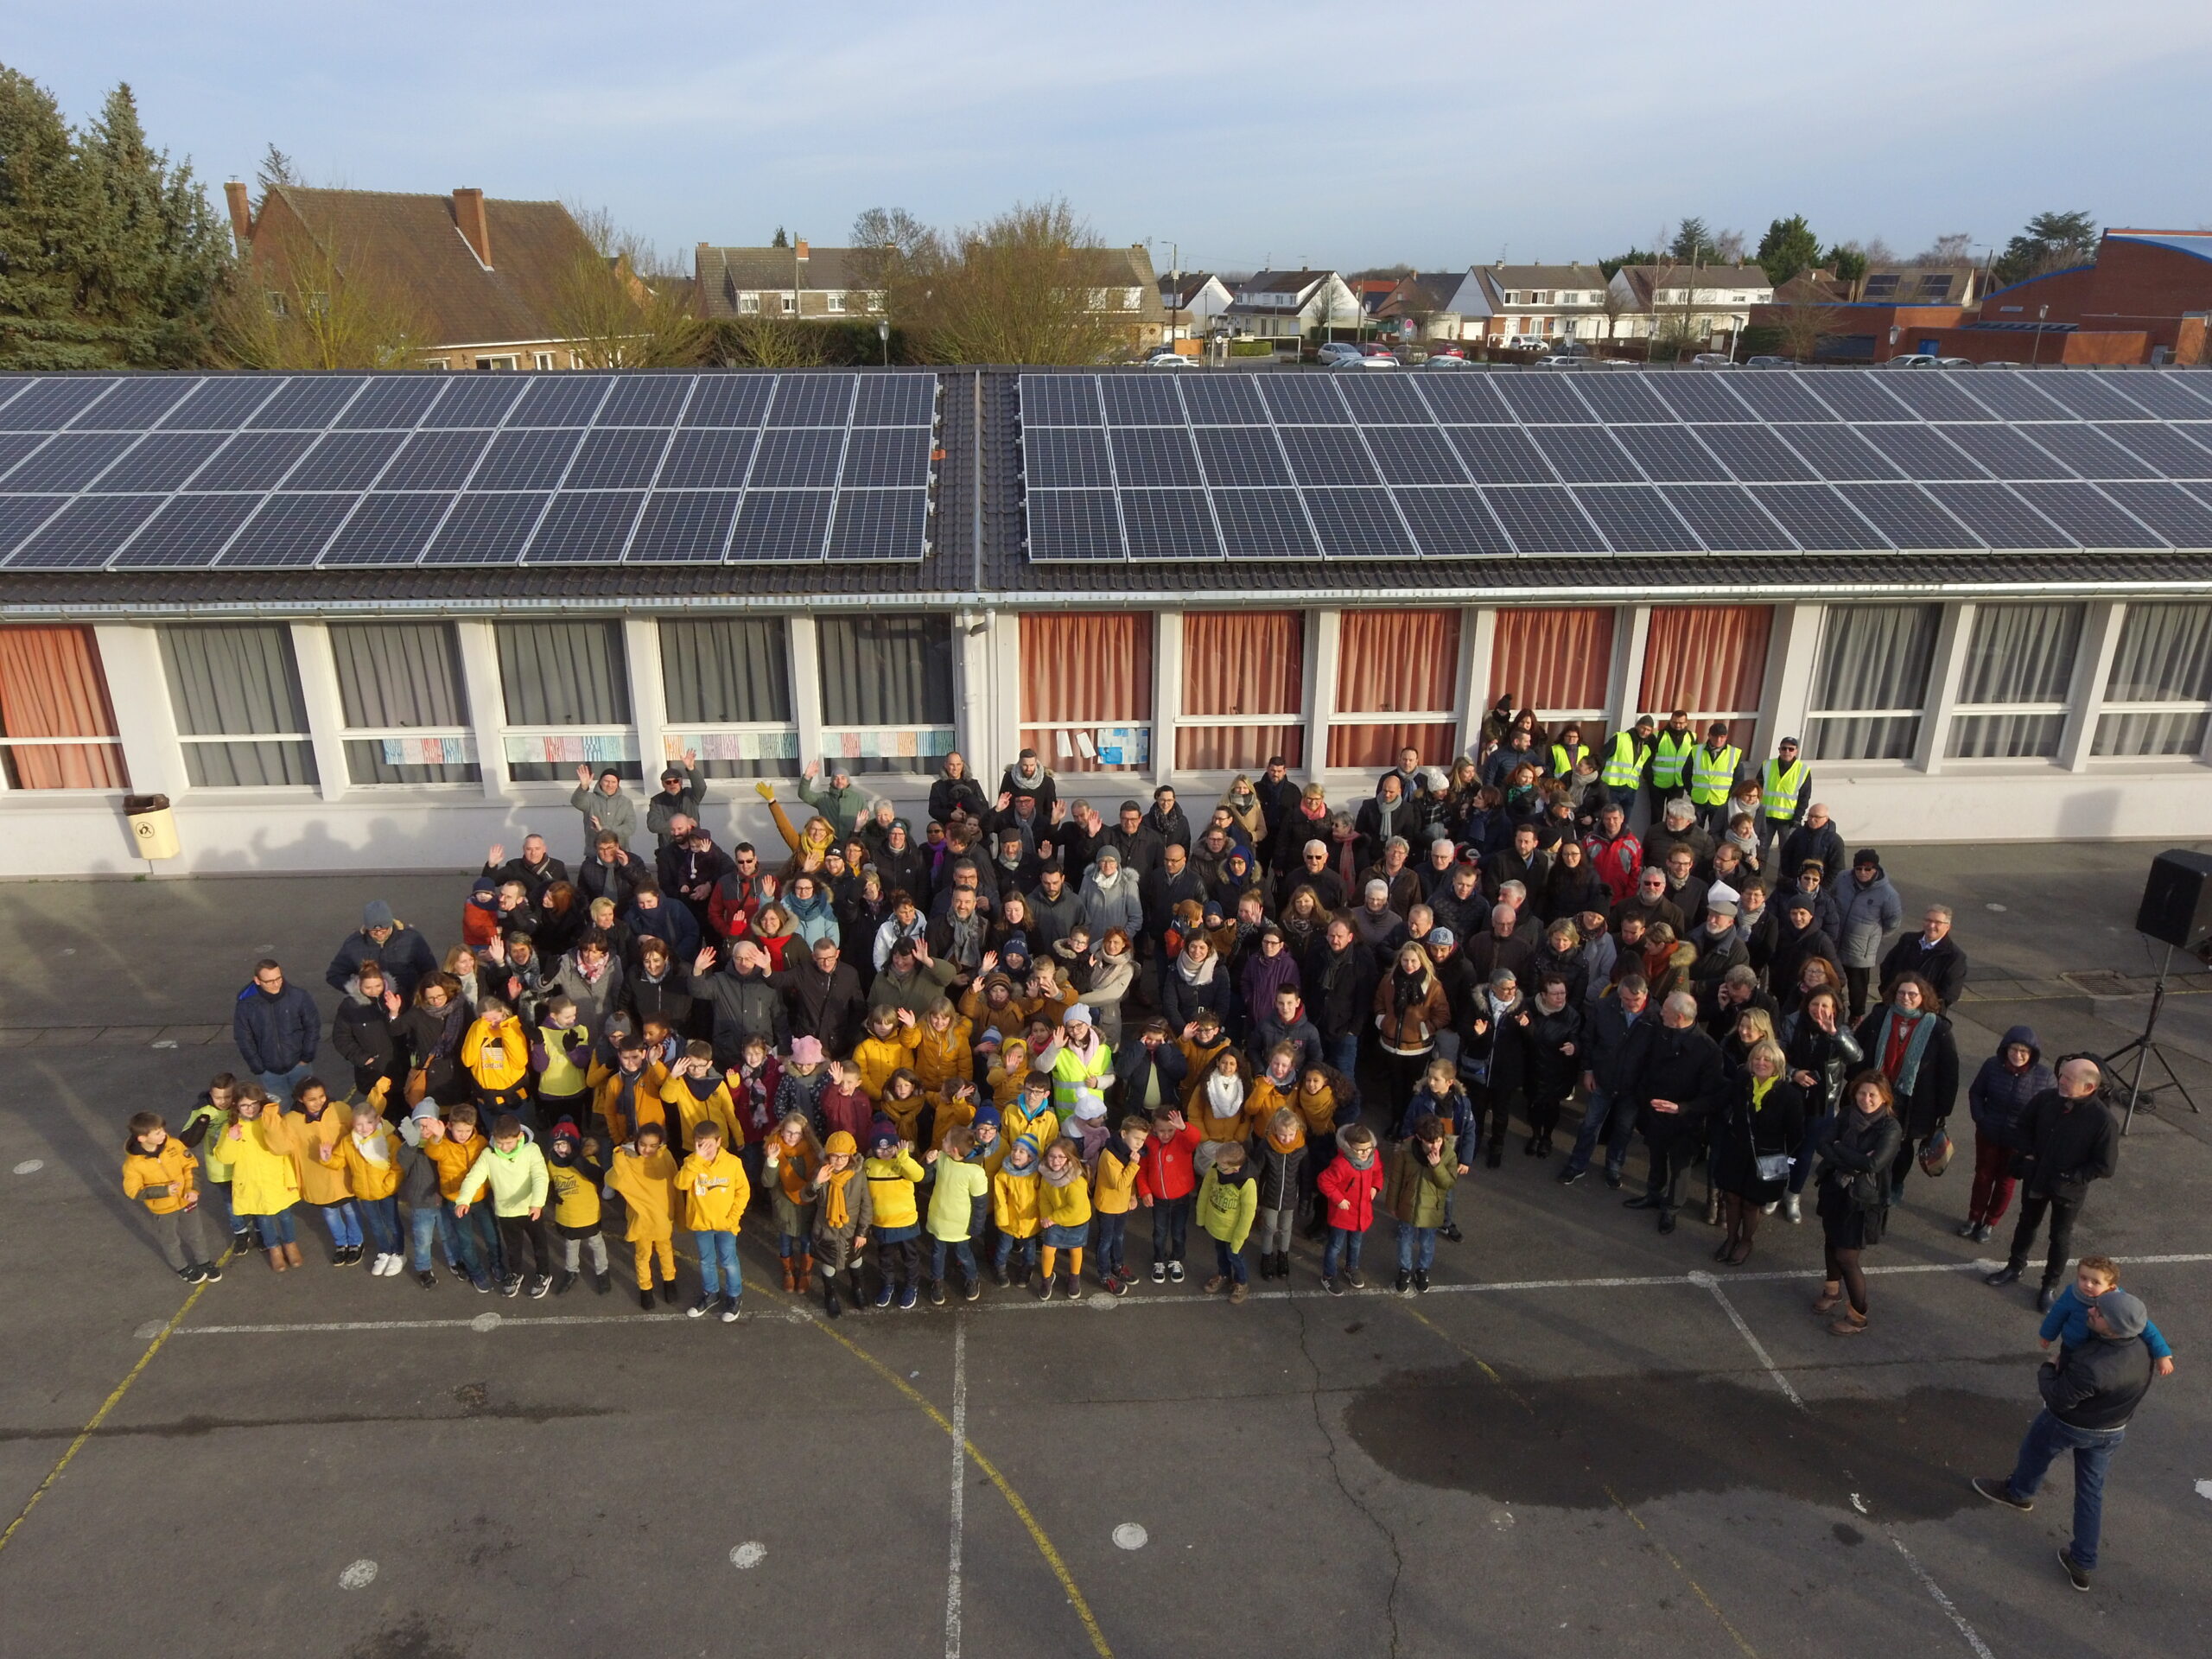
[[430, 1034], [956, 791], [1910, 1042], [1410, 1008], [1856, 1150], [1494, 1058], [1998, 1098], [1821, 1052], [1552, 1036], [1752, 1141]]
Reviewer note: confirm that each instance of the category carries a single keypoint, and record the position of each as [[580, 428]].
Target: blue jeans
[[1112, 1231], [280, 1084], [344, 1223], [1011, 1249], [1616, 1133], [1229, 1263], [1416, 1248], [2092, 1448], [1171, 1227], [422, 1227], [1342, 1053], [471, 1240], [960, 1250], [380, 1217], [1343, 1248], [719, 1274], [276, 1229], [1803, 1169]]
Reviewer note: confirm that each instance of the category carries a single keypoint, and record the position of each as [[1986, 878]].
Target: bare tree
[[612, 318], [1025, 287], [1801, 327], [299, 304], [1955, 248], [753, 340]]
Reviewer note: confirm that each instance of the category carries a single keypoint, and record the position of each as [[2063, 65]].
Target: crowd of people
[[984, 1050]]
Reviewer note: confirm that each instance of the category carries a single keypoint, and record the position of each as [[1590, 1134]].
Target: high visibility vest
[[1624, 762], [1670, 756], [1779, 790], [1563, 764], [1712, 776]]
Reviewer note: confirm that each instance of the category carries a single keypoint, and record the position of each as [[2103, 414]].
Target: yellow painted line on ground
[[1668, 1556]]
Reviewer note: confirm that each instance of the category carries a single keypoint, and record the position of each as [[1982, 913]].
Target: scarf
[[375, 1149], [1408, 988], [1224, 1096], [1761, 1088], [1196, 973], [1904, 1041], [835, 1215], [964, 938], [1066, 1175], [796, 1165], [754, 1087]]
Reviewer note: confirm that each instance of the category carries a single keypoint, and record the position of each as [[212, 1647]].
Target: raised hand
[[584, 775]]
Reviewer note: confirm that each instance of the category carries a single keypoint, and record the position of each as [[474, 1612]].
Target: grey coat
[[617, 812], [1865, 916]]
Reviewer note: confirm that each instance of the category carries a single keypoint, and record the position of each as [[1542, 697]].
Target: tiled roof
[[1746, 279], [724, 273]]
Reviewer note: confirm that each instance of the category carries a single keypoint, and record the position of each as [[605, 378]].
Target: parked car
[[1561, 360], [1373, 357], [2005, 363], [1333, 352], [1766, 360], [1712, 360], [1460, 352], [1164, 358], [1447, 363], [1956, 363], [1913, 360]]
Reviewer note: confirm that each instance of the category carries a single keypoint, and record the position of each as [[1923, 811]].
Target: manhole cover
[[1129, 1535]]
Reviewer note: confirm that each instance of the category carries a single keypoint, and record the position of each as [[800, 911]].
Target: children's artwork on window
[[587, 748], [732, 746], [1124, 746], [429, 751]]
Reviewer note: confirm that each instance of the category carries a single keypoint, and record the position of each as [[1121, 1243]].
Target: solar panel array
[[1359, 465], [229, 472]]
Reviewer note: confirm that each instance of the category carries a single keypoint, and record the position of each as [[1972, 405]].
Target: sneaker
[[1612, 1180], [1074, 1288], [511, 1284], [1213, 1285], [1119, 1284], [1238, 1291], [1420, 1281], [1793, 1210], [1044, 1287], [1330, 1283], [936, 1292], [1998, 1490], [1570, 1175], [906, 1298], [699, 1309], [883, 1296], [211, 1273], [540, 1287], [395, 1264], [1450, 1232], [482, 1285], [645, 1300], [1405, 1283], [2076, 1574], [1355, 1278], [975, 1290], [341, 1257], [427, 1280], [1159, 1273], [729, 1310], [190, 1275], [1175, 1272]]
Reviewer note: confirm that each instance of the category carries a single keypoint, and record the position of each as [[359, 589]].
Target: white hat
[[1080, 1014], [1090, 1105]]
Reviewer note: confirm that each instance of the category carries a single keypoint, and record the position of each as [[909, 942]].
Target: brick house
[[482, 274], [1524, 307]]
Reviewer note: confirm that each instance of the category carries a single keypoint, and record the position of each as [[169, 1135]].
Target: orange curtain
[[1378, 745], [1709, 660], [1398, 662], [1552, 660], [1237, 748], [1243, 663], [51, 686], [1082, 670]]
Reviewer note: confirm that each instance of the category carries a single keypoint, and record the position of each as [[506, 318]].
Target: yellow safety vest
[[1563, 764], [1779, 790], [1624, 762], [1670, 756], [1712, 776]]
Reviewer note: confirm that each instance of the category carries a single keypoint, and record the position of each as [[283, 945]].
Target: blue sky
[[1436, 134]]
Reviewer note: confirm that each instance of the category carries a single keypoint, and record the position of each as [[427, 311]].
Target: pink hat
[[807, 1050]]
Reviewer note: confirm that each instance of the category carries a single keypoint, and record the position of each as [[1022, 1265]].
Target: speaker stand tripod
[[2146, 1049]]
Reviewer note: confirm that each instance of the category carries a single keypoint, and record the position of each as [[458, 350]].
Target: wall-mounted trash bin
[[153, 825]]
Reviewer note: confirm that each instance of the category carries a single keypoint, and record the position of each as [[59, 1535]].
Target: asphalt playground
[[1588, 1437]]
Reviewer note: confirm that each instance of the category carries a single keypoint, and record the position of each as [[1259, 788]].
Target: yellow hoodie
[[891, 1184], [497, 1058], [322, 1165], [1013, 1201], [715, 1191], [367, 1177], [575, 1199], [647, 1189], [940, 1058], [454, 1160], [162, 1181], [877, 1059], [264, 1172], [689, 1112]]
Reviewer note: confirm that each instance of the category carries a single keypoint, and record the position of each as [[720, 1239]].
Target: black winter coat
[[1681, 1065], [1935, 1089], [2068, 1144], [1552, 1074], [1741, 1136]]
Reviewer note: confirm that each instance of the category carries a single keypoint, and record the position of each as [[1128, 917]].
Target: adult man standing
[[1670, 757], [822, 999], [276, 1028], [1137, 841], [404, 955], [1713, 778], [1614, 853], [843, 803], [536, 869], [2090, 1395], [1865, 909], [681, 790], [1678, 1083], [1814, 841], [2068, 1143], [1278, 795], [1618, 1030], [1627, 754], [604, 806], [1933, 954], [1785, 790]]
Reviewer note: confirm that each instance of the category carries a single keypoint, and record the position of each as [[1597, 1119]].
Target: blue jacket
[[406, 958], [2069, 1322], [274, 1033]]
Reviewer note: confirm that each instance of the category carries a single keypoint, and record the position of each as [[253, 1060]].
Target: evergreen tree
[[1693, 244], [2051, 242], [1847, 260], [1788, 248], [151, 258], [782, 239], [39, 325]]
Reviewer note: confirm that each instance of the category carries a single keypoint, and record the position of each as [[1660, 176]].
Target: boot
[[602, 1282], [805, 1273], [790, 1277], [292, 1257], [1831, 1293], [1266, 1264], [561, 1282], [277, 1261], [1282, 1264], [829, 1303]]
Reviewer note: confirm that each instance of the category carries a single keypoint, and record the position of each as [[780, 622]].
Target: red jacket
[[1164, 1166], [479, 926], [731, 906], [1341, 1182], [850, 1110], [1617, 862]]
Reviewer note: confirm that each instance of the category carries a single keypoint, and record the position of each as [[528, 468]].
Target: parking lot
[[1587, 1438]]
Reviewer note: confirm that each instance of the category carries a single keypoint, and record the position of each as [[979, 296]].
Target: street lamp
[[2035, 355], [883, 333]]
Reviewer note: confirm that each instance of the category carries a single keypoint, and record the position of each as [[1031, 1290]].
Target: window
[[1512, 297], [542, 360], [748, 305], [498, 364], [1882, 286], [1243, 691], [886, 691], [239, 684], [1558, 662], [279, 306], [836, 303], [1132, 299], [405, 703], [1400, 663], [2160, 688], [1871, 684], [726, 685], [1086, 690], [1539, 296], [437, 363], [2018, 669], [566, 689], [57, 722], [1709, 660]]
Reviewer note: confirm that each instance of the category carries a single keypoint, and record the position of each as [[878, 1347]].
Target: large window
[[726, 683], [1397, 687], [566, 688], [1086, 690], [2019, 667], [1243, 691], [1709, 659], [886, 692], [54, 713], [2160, 687], [241, 686], [405, 703], [1871, 684], [1559, 662]]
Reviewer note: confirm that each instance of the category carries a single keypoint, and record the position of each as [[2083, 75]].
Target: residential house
[[1124, 288], [482, 275], [1194, 299], [1531, 306], [1434, 305], [1285, 306], [1702, 307], [799, 281], [1370, 292]]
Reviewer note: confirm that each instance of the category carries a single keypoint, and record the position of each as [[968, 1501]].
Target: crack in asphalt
[[1335, 1474]]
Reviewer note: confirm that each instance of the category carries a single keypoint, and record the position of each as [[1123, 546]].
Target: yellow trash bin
[[153, 825]]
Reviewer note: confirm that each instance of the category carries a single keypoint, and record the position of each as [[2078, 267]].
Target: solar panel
[[220, 404], [2088, 515], [1838, 452], [813, 400], [287, 532], [1238, 456], [1817, 518], [889, 457], [188, 531], [436, 461], [560, 400], [1756, 455], [2013, 398], [1061, 400], [396, 403], [2168, 449], [1453, 523], [1080, 525], [533, 458], [1543, 518], [48, 405], [477, 400], [644, 400], [893, 400], [2085, 449], [253, 461], [877, 523], [1326, 454], [2182, 518], [1934, 397], [308, 403], [1546, 397], [801, 458], [1066, 458], [732, 400], [1993, 511], [1775, 397], [1414, 454], [1921, 452], [1224, 400], [2172, 395], [1670, 454], [1622, 397], [1384, 400], [1357, 524], [67, 462], [1700, 396], [1308, 398], [1904, 513], [1470, 401], [1727, 519], [1264, 524], [2092, 395], [619, 458], [1135, 400], [1585, 454], [83, 534], [783, 525], [135, 404], [1148, 457], [1169, 524], [683, 527], [14, 446], [1636, 519], [486, 529], [1856, 396], [585, 527], [160, 461], [1501, 455], [707, 458], [387, 529], [22, 514], [344, 460]]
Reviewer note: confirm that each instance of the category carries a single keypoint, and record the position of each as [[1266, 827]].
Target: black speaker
[[2177, 899]]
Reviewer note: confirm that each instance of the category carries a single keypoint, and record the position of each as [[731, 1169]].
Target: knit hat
[[377, 913], [1867, 858], [2124, 1315], [1079, 1014], [991, 1037], [882, 1132], [1441, 938], [807, 1050], [1020, 1141], [1797, 904], [987, 1114], [839, 1145], [1090, 1105]]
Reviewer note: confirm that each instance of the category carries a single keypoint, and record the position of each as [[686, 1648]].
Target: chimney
[[798, 248], [235, 192], [468, 214]]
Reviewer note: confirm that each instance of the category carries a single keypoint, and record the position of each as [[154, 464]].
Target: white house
[[1528, 306], [1285, 305], [1705, 305], [1193, 300]]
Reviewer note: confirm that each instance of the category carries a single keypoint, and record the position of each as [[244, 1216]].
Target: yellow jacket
[[163, 1182], [576, 1198], [687, 1112], [367, 1177], [322, 1165], [1114, 1184], [877, 1059], [950, 1115], [1014, 1202], [1264, 1102], [496, 1059], [454, 1160], [715, 1191], [645, 1100], [1044, 1128], [891, 1184], [906, 1114], [264, 1174], [940, 1058], [1319, 1111], [1004, 1078], [1063, 1206], [647, 1189]]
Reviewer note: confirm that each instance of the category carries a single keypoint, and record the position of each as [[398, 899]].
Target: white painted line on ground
[[1758, 1348], [1973, 1636], [482, 1324], [2204, 1488], [30, 1166], [748, 1555], [958, 1523], [358, 1576]]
